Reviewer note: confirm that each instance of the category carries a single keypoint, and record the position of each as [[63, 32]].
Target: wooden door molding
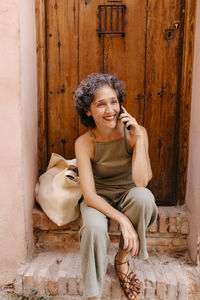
[[41, 83], [62, 72], [185, 93], [185, 99]]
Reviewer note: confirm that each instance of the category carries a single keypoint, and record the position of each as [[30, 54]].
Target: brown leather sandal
[[130, 284]]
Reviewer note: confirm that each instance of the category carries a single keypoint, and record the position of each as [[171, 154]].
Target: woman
[[114, 170]]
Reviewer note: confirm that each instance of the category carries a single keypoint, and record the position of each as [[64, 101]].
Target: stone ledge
[[167, 235], [170, 219], [52, 240], [162, 277]]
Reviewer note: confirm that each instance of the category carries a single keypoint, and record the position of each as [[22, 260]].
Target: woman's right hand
[[130, 236]]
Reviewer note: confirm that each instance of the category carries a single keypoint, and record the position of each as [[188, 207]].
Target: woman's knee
[[145, 202], [143, 197]]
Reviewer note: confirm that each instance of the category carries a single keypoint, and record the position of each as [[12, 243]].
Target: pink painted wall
[[193, 181], [29, 110], [18, 123]]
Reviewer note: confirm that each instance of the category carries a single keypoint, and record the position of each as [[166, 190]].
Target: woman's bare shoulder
[[85, 143], [84, 139]]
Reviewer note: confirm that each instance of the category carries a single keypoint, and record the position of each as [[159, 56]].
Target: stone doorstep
[[167, 235], [59, 274], [171, 219]]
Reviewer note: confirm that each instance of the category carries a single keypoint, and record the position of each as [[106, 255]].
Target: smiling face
[[105, 107]]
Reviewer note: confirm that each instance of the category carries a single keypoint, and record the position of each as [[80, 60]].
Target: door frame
[[185, 93]]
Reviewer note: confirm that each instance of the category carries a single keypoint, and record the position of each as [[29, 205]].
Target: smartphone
[[120, 112]]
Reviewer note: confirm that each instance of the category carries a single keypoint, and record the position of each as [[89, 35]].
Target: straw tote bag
[[58, 190]]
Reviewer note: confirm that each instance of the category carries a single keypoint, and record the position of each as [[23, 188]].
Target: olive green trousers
[[138, 204]]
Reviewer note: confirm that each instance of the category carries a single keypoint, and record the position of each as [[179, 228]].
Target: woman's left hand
[[135, 128]]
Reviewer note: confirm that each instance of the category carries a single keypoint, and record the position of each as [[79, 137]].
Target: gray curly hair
[[85, 93]]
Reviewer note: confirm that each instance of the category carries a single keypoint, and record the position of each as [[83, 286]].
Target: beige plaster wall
[[193, 181], [29, 110], [17, 131]]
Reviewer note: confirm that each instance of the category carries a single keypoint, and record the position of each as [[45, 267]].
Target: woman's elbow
[[150, 176], [142, 182], [88, 199]]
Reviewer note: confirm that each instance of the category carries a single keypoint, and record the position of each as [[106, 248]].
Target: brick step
[[59, 275], [167, 235]]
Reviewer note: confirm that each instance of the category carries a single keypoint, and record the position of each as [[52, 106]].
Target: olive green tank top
[[112, 164]]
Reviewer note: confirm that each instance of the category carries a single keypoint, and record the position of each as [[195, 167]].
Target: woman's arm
[[141, 168], [83, 151], [138, 139]]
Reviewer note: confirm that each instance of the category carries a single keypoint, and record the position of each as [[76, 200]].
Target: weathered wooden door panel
[[126, 56], [114, 53], [146, 57], [62, 75], [163, 73], [90, 45]]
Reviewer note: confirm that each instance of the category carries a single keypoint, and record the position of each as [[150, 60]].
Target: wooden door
[[115, 53], [146, 54], [162, 93]]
